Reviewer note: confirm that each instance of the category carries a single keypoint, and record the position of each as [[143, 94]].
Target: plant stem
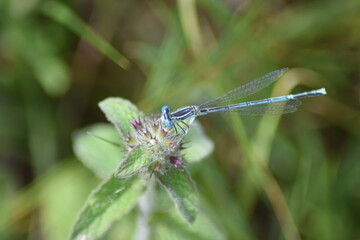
[[146, 207]]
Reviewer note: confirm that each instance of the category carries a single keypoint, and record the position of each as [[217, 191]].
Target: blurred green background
[[269, 177]]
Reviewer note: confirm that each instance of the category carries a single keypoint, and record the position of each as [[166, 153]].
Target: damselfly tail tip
[[284, 70], [322, 91]]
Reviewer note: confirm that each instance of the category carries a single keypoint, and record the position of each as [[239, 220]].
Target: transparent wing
[[268, 109], [247, 89]]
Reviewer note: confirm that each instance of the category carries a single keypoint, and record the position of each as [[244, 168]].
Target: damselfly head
[[165, 116], [165, 109]]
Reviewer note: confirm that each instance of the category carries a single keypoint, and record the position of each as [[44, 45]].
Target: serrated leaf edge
[[177, 202], [70, 237]]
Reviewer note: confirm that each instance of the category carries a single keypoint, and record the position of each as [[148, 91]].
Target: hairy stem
[[146, 207]]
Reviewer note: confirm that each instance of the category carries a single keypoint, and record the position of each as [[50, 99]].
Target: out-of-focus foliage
[[268, 179]]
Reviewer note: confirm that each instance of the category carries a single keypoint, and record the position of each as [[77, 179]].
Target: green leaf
[[113, 198], [52, 74], [92, 146], [61, 199], [197, 144], [120, 112], [183, 192], [135, 161]]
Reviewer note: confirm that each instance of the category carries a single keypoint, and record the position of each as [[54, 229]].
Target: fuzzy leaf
[[120, 112], [92, 146], [135, 161], [112, 199], [197, 144], [183, 192]]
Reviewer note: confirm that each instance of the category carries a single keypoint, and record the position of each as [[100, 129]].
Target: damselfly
[[274, 105]]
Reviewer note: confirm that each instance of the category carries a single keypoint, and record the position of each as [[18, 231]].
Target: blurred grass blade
[[113, 198], [257, 153], [98, 155], [171, 226], [183, 191], [190, 25], [168, 60], [218, 9], [65, 16]]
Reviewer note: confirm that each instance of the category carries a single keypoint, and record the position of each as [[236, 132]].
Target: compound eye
[[165, 109], [169, 124]]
